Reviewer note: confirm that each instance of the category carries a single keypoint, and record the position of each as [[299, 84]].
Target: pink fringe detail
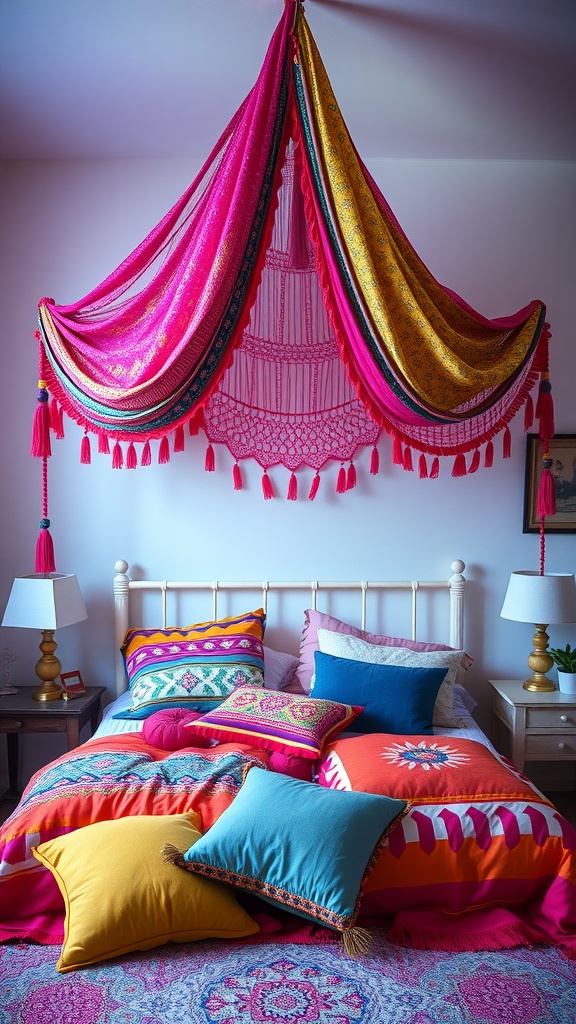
[[60, 425], [163, 452], [146, 457], [475, 463], [103, 444], [341, 481], [85, 455], [314, 486], [131, 457], [397, 452], [237, 477], [40, 445], [528, 413], [545, 415], [45, 552], [195, 422], [292, 487], [179, 439], [54, 414], [507, 444], [407, 459], [435, 470], [374, 461], [489, 455], [351, 477], [267, 489], [546, 499], [209, 461], [117, 456], [459, 467]]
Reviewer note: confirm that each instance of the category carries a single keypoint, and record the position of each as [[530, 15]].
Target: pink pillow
[[165, 729], [315, 620], [289, 764]]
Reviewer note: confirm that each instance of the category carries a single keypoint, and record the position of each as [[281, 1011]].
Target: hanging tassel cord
[[45, 561]]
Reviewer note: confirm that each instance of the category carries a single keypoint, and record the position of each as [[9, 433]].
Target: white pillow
[[279, 668], [341, 645]]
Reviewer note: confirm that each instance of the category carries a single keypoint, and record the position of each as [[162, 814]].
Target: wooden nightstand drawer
[[43, 723], [551, 718], [543, 745]]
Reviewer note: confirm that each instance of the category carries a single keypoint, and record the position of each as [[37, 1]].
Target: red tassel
[[179, 438], [237, 477], [435, 470], [351, 477], [528, 413], [546, 413], [131, 457], [407, 459], [117, 456], [507, 444], [146, 457], [195, 422], [459, 467], [40, 445], [209, 462], [341, 481], [163, 452], [85, 455], [60, 425], [314, 486], [103, 444], [422, 467], [267, 489], [54, 414], [489, 455], [292, 487], [45, 549], [397, 452], [475, 463], [546, 498], [374, 461]]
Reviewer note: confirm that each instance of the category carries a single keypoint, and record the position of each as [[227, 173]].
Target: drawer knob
[[563, 718], [561, 746]]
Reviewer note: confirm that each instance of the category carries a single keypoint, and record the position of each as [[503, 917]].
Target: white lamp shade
[[44, 601], [541, 599]]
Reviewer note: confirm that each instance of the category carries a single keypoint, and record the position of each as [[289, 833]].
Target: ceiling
[[458, 79]]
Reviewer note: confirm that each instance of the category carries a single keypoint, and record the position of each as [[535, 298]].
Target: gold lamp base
[[48, 668], [540, 661]]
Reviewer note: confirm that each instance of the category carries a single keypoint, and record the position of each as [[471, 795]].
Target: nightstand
[[19, 713], [542, 725]]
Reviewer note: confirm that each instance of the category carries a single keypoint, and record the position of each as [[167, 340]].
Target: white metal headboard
[[124, 586]]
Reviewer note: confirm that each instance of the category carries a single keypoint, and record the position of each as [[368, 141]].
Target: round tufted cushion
[[166, 729]]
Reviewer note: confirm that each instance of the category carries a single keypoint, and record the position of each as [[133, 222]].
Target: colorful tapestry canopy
[[280, 307]]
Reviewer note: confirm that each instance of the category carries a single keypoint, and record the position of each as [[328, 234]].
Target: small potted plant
[[565, 660]]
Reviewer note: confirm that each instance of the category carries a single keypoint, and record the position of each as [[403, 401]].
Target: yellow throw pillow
[[120, 895]]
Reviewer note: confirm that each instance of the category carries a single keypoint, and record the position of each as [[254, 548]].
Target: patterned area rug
[[265, 983]]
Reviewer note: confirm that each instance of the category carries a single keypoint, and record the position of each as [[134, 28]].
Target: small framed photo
[[72, 685], [562, 450]]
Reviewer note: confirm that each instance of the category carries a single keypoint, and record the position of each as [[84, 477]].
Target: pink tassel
[[435, 470], [507, 444], [528, 413], [545, 411], [267, 489], [407, 459], [489, 455], [314, 486], [475, 464], [351, 477], [209, 462], [131, 457], [237, 477], [117, 456], [422, 467], [292, 488], [146, 457], [103, 444], [179, 438], [546, 498], [195, 422], [54, 415], [341, 481], [40, 445], [45, 549], [163, 452], [374, 461], [397, 452], [85, 455], [60, 425], [459, 467]]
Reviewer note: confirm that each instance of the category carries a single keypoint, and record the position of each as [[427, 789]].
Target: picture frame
[[72, 685], [562, 449]]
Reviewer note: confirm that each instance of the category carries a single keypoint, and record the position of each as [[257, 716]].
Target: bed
[[335, 798]]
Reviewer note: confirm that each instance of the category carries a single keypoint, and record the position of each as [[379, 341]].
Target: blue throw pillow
[[298, 845], [395, 699]]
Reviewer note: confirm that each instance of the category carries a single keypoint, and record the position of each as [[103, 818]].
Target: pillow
[[166, 730], [309, 643], [195, 667], [395, 699], [282, 839], [276, 721], [120, 895], [343, 646], [279, 669]]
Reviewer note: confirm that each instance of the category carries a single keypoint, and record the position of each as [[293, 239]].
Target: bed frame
[[125, 588]]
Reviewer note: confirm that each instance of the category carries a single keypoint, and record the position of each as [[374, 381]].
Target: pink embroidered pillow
[[166, 729], [309, 643]]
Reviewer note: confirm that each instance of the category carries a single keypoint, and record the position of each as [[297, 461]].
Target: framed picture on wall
[[562, 449]]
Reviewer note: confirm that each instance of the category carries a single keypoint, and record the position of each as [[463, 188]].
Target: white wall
[[498, 233]]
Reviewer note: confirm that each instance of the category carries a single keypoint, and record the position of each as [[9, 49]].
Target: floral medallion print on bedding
[[195, 667], [481, 860], [342, 645], [283, 722]]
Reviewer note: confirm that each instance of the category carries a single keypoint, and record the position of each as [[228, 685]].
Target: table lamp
[[45, 601], [541, 599]]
